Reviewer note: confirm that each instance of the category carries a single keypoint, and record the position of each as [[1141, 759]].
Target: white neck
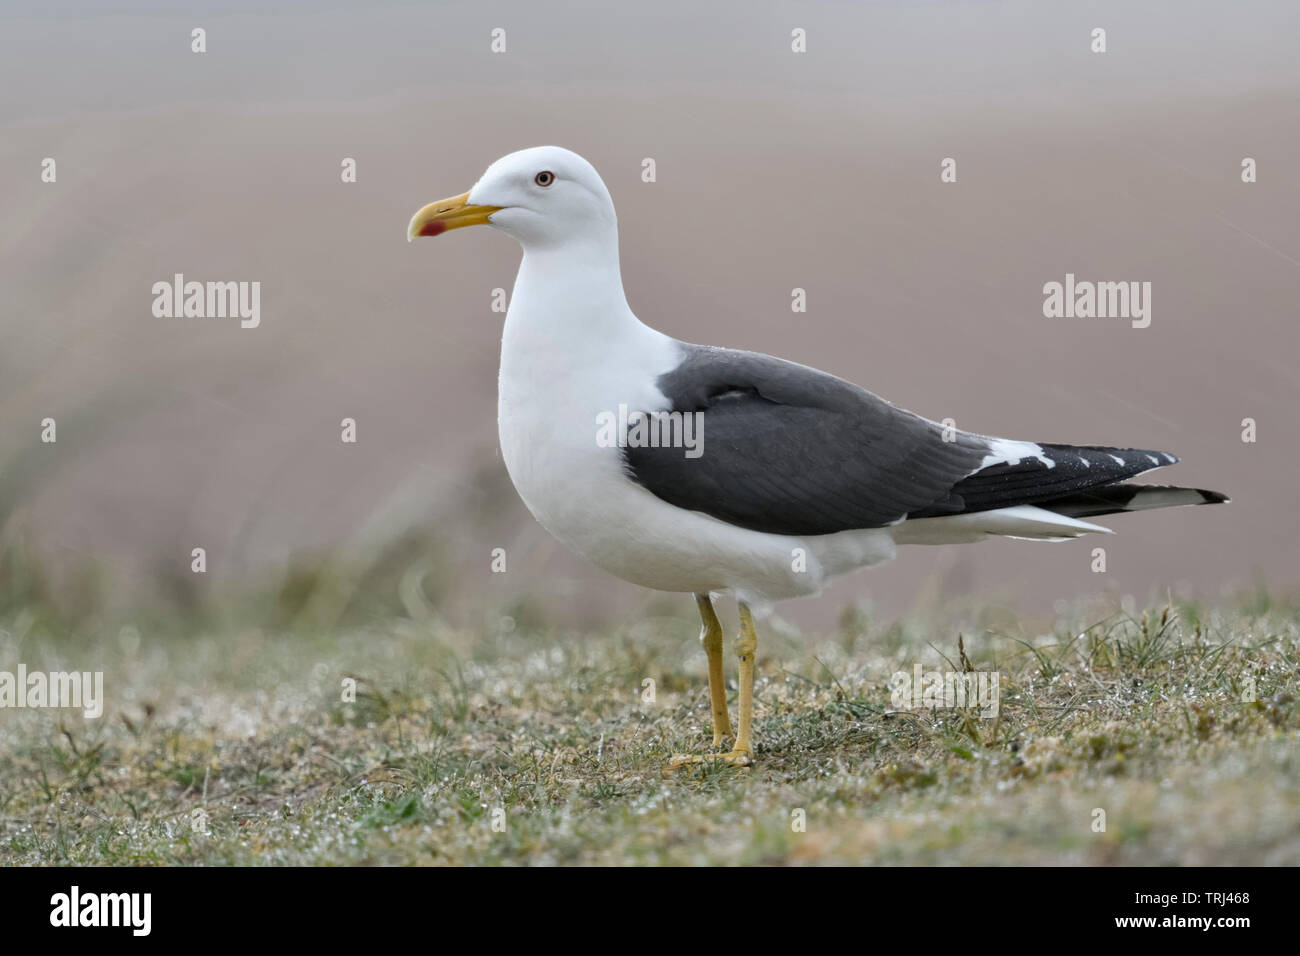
[[569, 298]]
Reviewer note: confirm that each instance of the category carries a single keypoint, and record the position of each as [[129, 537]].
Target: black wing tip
[[1148, 457], [1213, 497], [1164, 458]]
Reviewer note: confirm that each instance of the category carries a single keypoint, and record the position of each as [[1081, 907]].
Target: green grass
[[521, 744]]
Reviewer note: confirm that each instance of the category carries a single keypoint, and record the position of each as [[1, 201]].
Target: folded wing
[[789, 449]]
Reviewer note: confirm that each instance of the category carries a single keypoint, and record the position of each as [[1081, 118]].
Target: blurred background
[[775, 170]]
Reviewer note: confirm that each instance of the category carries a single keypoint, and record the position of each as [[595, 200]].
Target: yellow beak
[[437, 217]]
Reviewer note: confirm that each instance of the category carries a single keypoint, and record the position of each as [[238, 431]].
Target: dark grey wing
[[791, 450], [788, 449]]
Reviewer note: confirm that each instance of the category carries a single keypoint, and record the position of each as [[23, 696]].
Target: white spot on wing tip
[[1004, 451]]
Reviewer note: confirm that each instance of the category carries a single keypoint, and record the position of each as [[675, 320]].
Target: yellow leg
[[741, 754], [711, 638], [746, 647]]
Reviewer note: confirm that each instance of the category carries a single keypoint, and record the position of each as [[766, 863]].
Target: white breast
[[553, 386]]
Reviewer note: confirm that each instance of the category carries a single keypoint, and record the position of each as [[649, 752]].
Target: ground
[[1167, 737]]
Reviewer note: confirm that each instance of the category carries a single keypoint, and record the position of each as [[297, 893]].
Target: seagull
[[719, 472]]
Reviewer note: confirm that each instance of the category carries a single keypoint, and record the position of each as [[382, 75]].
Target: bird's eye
[[544, 178]]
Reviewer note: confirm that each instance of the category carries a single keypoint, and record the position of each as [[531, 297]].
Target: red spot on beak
[[434, 228]]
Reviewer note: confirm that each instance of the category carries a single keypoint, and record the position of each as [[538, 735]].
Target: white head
[[544, 197]]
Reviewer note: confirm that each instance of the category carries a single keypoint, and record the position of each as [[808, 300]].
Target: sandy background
[[775, 170]]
